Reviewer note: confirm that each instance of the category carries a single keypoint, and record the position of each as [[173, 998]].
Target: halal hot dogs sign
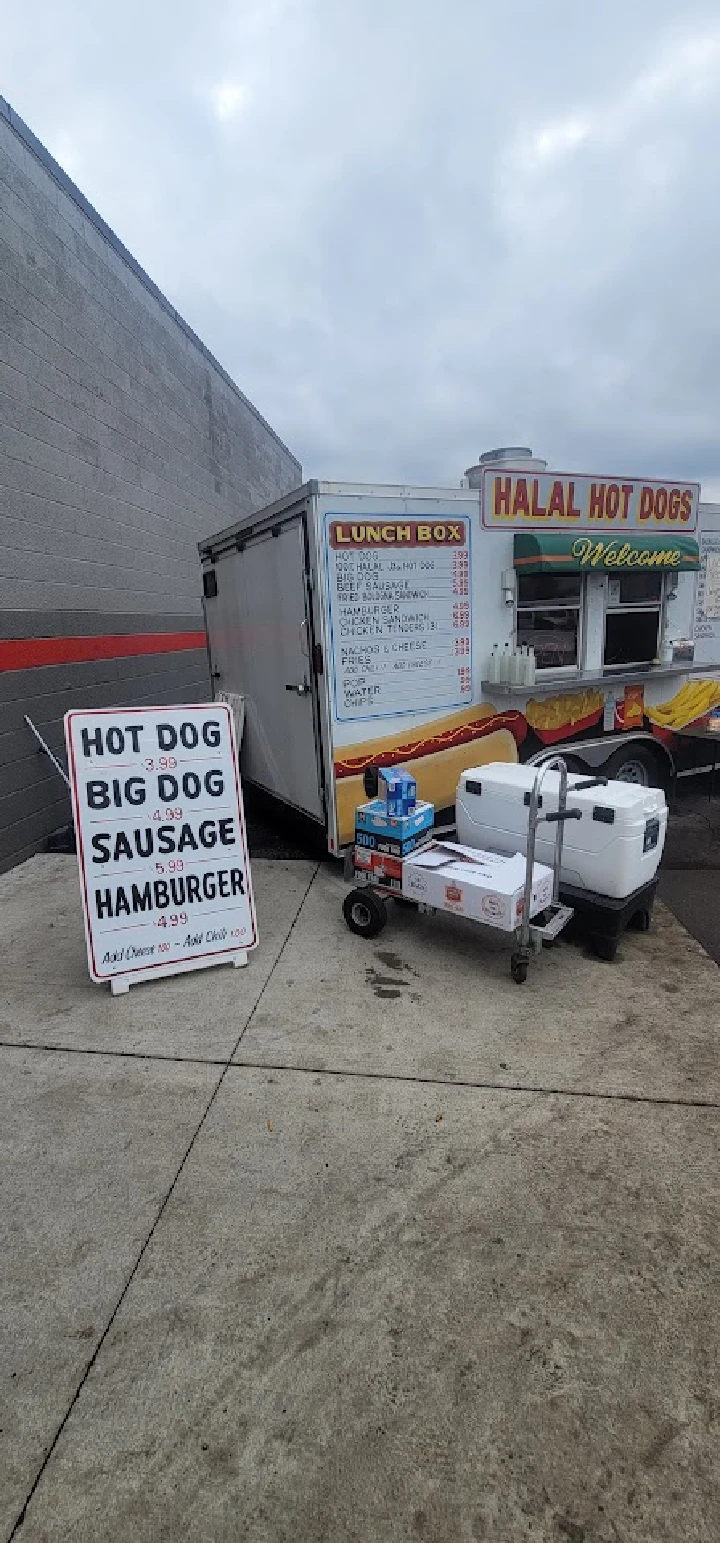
[[161, 839]]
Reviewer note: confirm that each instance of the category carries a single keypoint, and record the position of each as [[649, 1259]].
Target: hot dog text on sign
[[510, 499]]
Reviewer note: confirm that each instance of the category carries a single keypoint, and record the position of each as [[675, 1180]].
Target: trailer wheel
[[518, 969], [364, 912], [635, 763]]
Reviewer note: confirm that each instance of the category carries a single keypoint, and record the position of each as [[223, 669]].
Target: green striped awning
[[583, 551]]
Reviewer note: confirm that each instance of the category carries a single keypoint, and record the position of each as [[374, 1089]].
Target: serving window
[[595, 602], [633, 619], [549, 618]]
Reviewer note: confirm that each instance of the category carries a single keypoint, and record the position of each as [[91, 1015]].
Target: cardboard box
[[375, 818], [388, 844], [484, 886], [398, 790], [378, 866]]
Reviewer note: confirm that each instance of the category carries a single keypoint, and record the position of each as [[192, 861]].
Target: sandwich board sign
[[162, 850]]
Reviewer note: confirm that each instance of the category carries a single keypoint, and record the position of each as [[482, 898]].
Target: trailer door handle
[[302, 689]]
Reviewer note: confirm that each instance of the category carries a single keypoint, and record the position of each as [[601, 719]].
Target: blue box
[[398, 789], [389, 845], [404, 831]]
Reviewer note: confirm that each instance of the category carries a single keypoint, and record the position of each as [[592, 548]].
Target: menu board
[[711, 597], [162, 851], [400, 615], [707, 603]]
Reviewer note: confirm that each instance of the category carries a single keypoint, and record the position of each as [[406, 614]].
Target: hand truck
[[365, 909]]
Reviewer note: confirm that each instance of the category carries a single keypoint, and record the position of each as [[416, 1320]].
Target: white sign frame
[[150, 765]]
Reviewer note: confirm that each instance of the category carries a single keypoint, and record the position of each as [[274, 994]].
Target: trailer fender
[[594, 754]]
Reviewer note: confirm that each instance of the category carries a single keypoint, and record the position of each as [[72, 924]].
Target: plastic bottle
[[505, 676], [518, 665], [494, 666], [531, 667]]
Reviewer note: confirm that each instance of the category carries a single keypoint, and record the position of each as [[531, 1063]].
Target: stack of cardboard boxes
[[390, 827]]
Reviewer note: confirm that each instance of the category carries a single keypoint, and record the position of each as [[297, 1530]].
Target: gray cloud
[[413, 230]]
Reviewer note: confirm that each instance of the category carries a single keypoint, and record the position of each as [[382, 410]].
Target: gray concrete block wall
[[33, 799], [122, 443]]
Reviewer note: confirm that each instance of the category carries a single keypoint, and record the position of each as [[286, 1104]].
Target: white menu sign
[[164, 868], [707, 601], [400, 614]]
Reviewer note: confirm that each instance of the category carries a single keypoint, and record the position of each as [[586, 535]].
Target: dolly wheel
[[518, 968], [640, 922], [364, 912]]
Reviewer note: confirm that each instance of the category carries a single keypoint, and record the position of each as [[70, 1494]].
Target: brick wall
[[122, 443]]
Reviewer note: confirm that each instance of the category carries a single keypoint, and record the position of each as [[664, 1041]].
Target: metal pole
[[530, 861], [560, 832], [48, 751]]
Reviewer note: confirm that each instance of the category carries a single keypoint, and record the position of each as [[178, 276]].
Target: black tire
[[364, 912], [603, 947], [636, 763], [518, 969]]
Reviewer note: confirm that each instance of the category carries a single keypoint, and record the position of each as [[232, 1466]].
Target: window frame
[[562, 671], [636, 608]]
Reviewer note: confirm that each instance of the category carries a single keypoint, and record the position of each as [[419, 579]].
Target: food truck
[[524, 612]]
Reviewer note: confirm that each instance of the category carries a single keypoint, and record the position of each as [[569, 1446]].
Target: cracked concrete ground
[[361, 1243]]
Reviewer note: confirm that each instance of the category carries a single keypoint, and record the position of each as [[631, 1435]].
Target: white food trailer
[[364, 624]]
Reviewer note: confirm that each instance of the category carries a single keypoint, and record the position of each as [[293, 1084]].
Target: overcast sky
[[414, 229]]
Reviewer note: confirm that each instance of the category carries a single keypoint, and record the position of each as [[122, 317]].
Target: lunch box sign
[[162, 850]]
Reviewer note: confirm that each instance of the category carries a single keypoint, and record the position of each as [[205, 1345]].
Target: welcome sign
[[562, 554], [162, 851]]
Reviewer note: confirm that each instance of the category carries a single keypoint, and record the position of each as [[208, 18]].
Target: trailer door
[[261, 644]]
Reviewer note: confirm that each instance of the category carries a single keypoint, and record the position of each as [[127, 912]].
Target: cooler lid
[[499, 780]]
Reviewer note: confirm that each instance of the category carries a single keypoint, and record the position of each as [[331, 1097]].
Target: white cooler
[[612, 850]]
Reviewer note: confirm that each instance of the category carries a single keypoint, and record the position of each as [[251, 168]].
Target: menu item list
[[400, 614]]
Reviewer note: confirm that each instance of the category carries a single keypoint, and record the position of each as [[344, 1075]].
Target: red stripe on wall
[[30, 653]]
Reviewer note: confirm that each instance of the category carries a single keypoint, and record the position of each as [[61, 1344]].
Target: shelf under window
[[551, 684]]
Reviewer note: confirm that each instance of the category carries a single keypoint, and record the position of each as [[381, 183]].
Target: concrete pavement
[[362, 1243], [432, 998], [90, 1147]]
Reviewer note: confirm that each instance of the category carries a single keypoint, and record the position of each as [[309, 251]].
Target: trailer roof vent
[[519, 456], [506, 453]]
